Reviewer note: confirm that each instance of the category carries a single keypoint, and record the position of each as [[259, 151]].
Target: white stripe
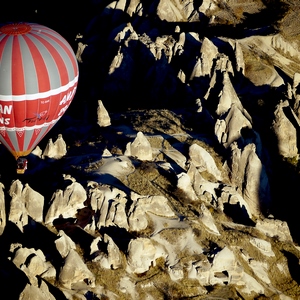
[[39, 95]]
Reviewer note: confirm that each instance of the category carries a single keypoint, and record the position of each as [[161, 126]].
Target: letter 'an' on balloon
[[38, 81]]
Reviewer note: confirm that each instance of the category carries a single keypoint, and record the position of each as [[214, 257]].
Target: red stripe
[[17, 72], [40, 66], [63, 43], [63, 72]]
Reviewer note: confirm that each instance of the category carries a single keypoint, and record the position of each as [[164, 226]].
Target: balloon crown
[[15, 28]]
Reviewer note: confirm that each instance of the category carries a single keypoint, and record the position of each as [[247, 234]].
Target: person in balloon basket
[[21, 165]]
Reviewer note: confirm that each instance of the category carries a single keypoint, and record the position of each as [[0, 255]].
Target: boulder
[[142, 254], [140, 148], [55, 150], [184, 184], [285, 130], [33, 292], [66, 203], [102, 115], [33, 263], [203, 161], [137, 217], [64, 244], [18, 214], [109, 205], [208, 220], [74, 273], [275, 228], [229, 127], [34, 203]]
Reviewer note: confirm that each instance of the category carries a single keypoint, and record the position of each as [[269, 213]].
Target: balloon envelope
[[38, 81]]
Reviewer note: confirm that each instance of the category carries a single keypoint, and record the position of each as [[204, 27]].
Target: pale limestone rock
[[94, 248], [176, 272], [17, 212], [224, 269], [176, 156], [116, 62], [157, 205], [128, 286], [102, 115], [200, 185], [260, 269], [80, 49], [109, 205], [181, 76], [294, 94], [124, 33], [140, 148], [263, 246], [203, 161], [75, 272], [55, 150], [32, 292], [179, 45], [239, 57], [285, 131], [66, 203], [171, 12], [185, 242], [278, 42], [64, 244], [251, 285], [133, 7], [115, 257], [229, 129], [237, 171], [33, 263], [159, 223], [223, 64], [227, 96], [252, 182], [208, 220], [249, 175], [225, 260], [273, 227], [106, 153], [34, 203], [37, 151], [207, 7], [197, 70], [116, 166], [184, 183], [142, 254], [2, 209], [231, 196], [209, 53]]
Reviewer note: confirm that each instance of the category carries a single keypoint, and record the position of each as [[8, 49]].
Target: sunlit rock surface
[[182, 181]]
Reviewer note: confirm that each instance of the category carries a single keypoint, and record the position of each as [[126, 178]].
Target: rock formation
[[187, 187]]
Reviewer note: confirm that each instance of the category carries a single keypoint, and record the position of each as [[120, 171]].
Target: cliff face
[[174, 173]]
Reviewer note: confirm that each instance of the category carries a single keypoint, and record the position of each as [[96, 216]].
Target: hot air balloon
[[38, 81]]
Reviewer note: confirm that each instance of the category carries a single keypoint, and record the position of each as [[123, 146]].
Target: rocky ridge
[[183, 189]]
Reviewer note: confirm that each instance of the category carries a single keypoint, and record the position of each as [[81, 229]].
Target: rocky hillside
[[175, 172]]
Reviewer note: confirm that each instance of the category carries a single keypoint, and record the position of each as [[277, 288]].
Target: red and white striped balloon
[[38, 81]]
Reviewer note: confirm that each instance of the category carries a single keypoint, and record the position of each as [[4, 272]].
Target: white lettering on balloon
[[63, 110], [4, 121], [5, 109], [68, 96]]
